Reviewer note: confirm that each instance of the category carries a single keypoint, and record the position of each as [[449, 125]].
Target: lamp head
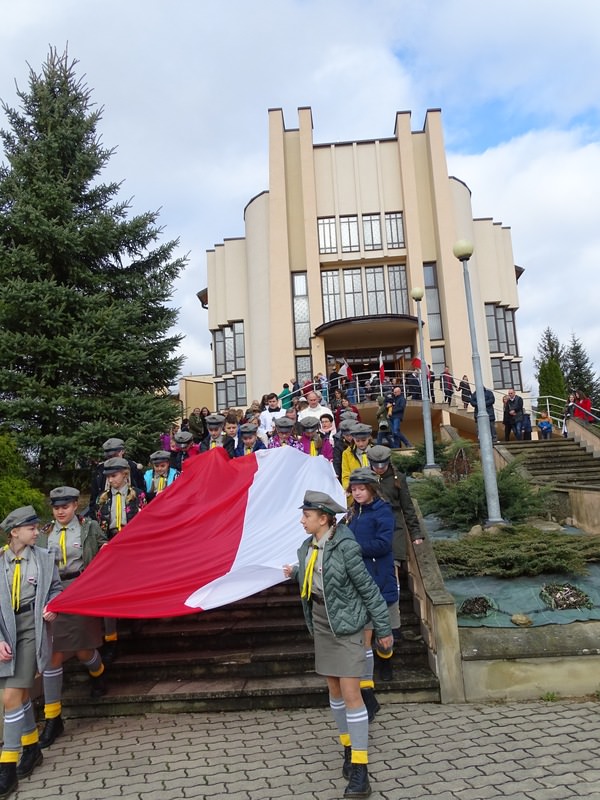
[[463, 249], [417, 294]]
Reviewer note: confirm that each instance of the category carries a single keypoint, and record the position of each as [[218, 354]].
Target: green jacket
[[351, 596], [394, 489], [92, 538]]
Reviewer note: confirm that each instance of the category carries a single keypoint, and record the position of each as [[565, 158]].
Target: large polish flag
[[222, 531]]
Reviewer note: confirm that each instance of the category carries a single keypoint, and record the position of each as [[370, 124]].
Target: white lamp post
[[430, 466], [463, 250]]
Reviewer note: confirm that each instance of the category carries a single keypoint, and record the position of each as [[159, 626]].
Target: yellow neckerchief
[[118, 510], [15, 594], [313, 448], [364, 459], [162, 482], [308, 575], [62, 543]]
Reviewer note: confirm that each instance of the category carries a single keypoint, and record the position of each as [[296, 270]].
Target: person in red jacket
[[583, 405]]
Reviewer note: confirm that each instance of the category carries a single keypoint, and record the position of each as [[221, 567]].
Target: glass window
[[376, 302], [398, 289], [221, 395], [432, 297], [511, 332], [515, 369], [438, 360], [301, 310], [394, 230], [330, 289], [229, 350], [353, 292], [238, 343], [492, 332], [219, 352], [497, 373], [501, 327], [372, 231], [327, 235], [303, 368], [349, 234]]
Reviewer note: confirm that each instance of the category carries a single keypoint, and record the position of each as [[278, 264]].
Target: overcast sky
[[186, 85]]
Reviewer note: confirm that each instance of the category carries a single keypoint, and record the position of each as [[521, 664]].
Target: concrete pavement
[[522, 751]]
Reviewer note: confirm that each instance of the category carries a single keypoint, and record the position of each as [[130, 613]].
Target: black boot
[[386, 670], [109, 652], [31, 758], [52, 730], [8, 779], [98, 686], [358, 785], [347, 767], [370, 701]]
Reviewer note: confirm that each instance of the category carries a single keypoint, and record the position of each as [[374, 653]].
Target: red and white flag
[[346, 371], [381, 368], [222, 531]]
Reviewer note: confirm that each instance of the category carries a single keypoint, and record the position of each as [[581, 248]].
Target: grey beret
[[215, 419], [112, 465], [183, 437], [25, 515], [322, 502], [347, 425], [379, 454], [360, 429], [160, 455], [363, 475], [347, 414], [284, 423], [63, 495], [310, 423], [113, 444], [248, 428]]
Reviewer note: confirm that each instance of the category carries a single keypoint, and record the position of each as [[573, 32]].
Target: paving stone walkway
[[524, 751]]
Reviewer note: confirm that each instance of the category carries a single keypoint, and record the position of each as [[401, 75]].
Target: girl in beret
[[28, 582]]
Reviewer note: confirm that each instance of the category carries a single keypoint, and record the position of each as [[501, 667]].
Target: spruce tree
[[549, 347], [579, 373], [85, 349], [552, 385]]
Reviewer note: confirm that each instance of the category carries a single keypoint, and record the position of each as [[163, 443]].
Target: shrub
[[15, 490]]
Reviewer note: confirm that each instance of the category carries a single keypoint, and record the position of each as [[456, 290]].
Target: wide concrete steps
[[252, 654], [557, 460]]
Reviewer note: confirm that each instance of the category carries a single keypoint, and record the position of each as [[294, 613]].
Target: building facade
[[331, 253]]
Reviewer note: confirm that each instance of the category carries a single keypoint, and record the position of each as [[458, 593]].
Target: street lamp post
[[463, 250], [430, 466]]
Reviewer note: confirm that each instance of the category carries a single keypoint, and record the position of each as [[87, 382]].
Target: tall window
[[432, 296], [372, 231], [231, 392], [394, 230], [327, 235], [438, 360], [228, 347], [303, 368], [502, 337], [301, 311], [375, 290], [490, 318], [398, 289], [349, 234], [353, 293], [506, 374], [330, 289]]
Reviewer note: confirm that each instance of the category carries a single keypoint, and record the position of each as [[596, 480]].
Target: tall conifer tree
[[85, 348], [579, 373], [549, 347]]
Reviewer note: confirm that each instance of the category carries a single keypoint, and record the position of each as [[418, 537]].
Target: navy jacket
[[373, 527]]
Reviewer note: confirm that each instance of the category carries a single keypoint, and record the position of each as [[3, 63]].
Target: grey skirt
[[336, 656], [73, 632], [25, 661]]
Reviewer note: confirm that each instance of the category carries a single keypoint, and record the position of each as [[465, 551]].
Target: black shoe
[[31, 758], [8, 779], [358, 785], [347, 767], [109, 653], [52, 730], [98, 686], [370, 701]]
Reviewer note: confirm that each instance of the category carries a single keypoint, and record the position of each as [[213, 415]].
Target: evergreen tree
[[579, 373], [552, 384], [549, 347], [85, 350]]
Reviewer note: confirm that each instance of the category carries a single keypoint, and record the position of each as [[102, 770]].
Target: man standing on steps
[[515, 412], [397, 415]]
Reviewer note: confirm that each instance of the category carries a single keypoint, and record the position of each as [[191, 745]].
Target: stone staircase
[[255, 653], [559, 461]]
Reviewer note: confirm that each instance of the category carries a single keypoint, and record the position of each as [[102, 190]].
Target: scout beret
[[63, 495], [379, 454], [113, 444], [248, 428], [347, 414], [284, 423], [160, 455], [183, 437], [112, 465], [363, 475], [310, 423], [347, 425], [322, 502], [360, 429], [25, 515], [214, 420]]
